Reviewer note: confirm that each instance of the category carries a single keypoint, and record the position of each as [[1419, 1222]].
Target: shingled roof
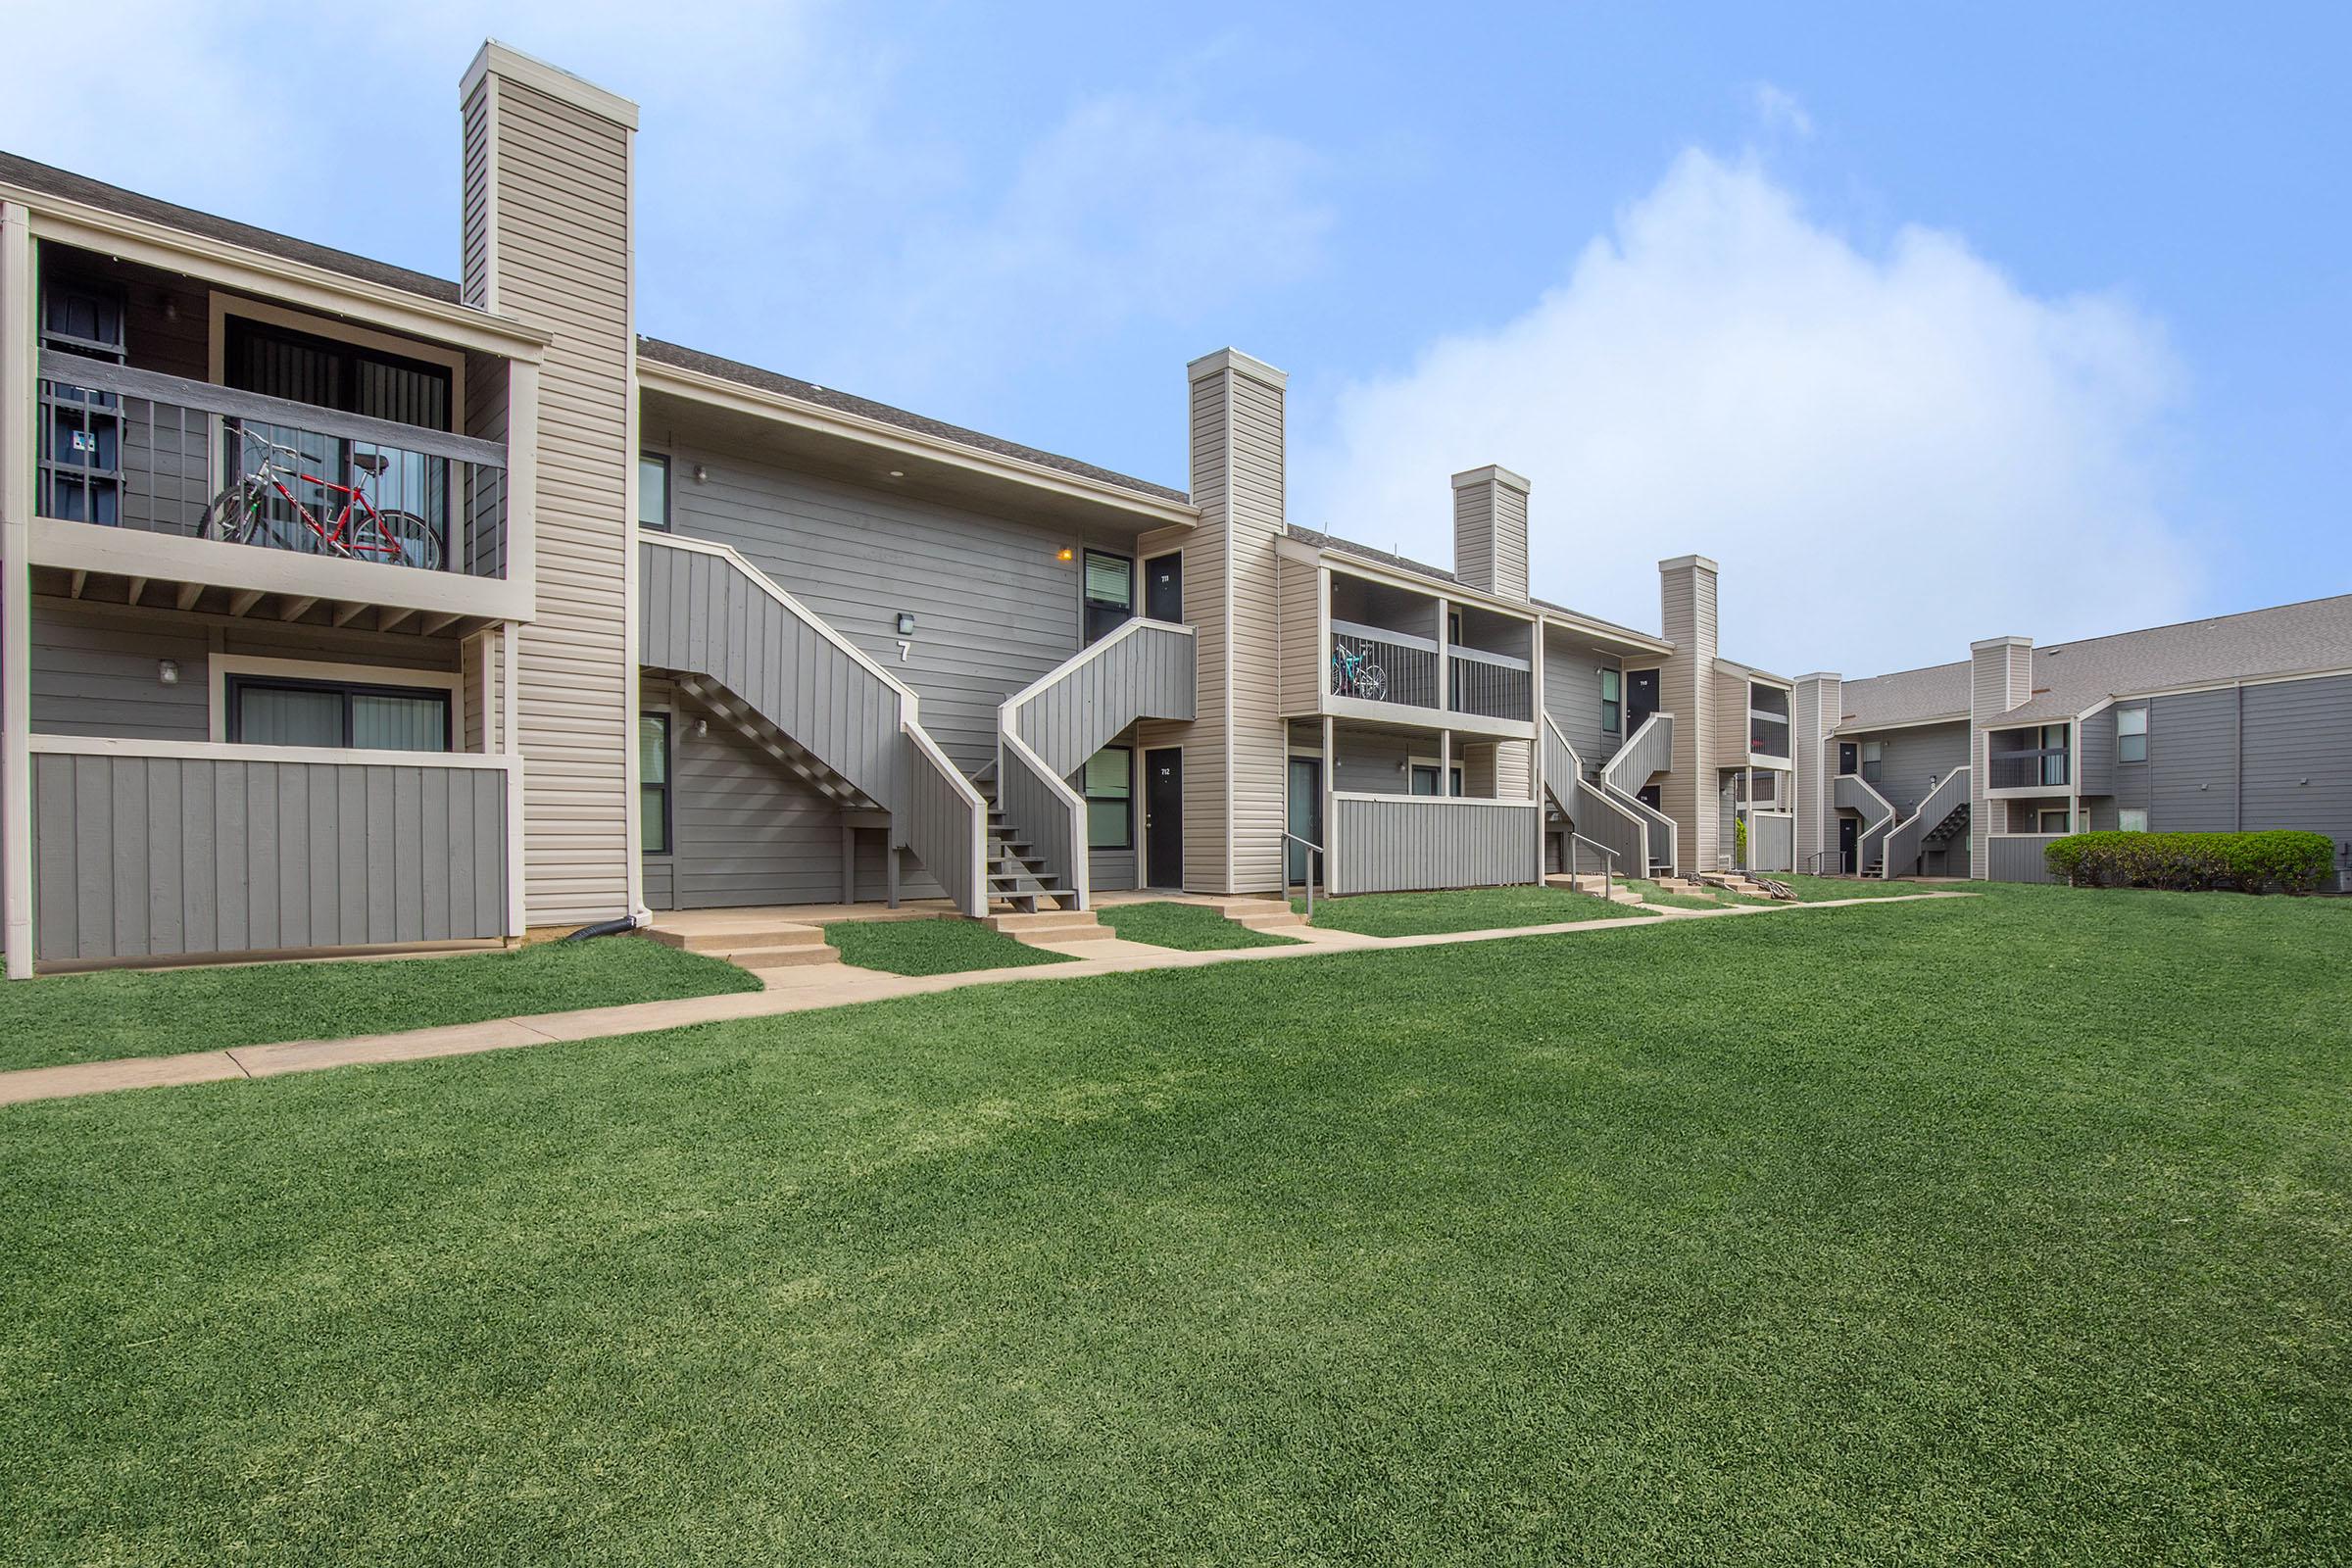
[[2069, 678], [68, 186], [1389, 557], [724, 370]]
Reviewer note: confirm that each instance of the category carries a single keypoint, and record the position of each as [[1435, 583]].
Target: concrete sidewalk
[[787, 991]]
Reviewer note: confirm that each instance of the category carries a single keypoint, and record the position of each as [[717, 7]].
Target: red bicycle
[[241, 513]]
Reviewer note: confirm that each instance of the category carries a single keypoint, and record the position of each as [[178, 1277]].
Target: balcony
[[2040, 769], [158, 488], [1375, 667]]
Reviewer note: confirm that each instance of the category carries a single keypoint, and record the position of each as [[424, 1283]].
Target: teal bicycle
[[1353, 674]]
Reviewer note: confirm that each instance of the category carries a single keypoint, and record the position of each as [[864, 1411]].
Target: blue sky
[[1819, 292]]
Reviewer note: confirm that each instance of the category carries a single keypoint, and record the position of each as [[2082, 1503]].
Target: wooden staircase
[[1017, 876]]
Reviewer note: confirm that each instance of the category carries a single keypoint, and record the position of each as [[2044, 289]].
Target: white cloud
[[1890, 453], [1782, 110], [1102, 226]]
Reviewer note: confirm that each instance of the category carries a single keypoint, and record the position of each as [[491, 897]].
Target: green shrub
[[2196, 862]]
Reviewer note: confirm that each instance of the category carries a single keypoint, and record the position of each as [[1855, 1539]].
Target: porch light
[[702, 475], [1065, 552], [702, 729], [905, 625], [898, 474], [167, 670]]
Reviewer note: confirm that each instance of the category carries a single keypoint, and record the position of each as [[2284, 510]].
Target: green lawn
[[1404, 915], [1821, 889], [931, 946], [126, 1012], [1192, 927], [1652, 893], [2008, 1229]]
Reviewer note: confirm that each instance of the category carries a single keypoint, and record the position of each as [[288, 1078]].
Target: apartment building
[[351, 607], [2234, 723]]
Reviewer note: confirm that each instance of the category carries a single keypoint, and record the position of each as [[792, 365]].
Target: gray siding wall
[[742, 831], [166, 857], [1572, 697], [704, 616], [94, 670], [1915, 760], [1390, 845], [1146, 674], [2019, 859], [994, 609], [2294, 768], [2094, 752]]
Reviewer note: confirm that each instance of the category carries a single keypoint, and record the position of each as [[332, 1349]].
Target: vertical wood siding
[[2018, 859], [1395, 843], [1147, 673], [168, 856]]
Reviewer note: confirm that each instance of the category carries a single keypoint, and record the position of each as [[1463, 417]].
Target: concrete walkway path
[[798, 990]]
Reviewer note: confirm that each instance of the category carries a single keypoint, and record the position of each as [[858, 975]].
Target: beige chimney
[[1490, 531]]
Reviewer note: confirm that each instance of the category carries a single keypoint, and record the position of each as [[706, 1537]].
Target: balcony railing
[[1492, 685], [2043, 769], [1377, 666], [136, 448]]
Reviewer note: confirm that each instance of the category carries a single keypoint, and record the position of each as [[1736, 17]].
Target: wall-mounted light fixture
[[167, 670], [702, 474], [898, 474], [702, 729], [1065, 552], [905, 625]]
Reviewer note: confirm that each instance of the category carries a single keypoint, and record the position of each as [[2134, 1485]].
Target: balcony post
[[17, 346]]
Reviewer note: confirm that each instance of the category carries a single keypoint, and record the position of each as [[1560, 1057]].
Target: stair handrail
[[1013, 741], [1877, 830], [1314, 852], [1580, 785], [1608, 866], [924, 750], [1634, 749], [1913, 829], [1012, 749]]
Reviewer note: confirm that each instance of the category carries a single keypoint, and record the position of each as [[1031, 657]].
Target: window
[[1612, 694], [1109, 593], [1111, 799], [2054, 821], [653, 491], [1874, 760], [2131, 820], [337, 713], [653, 781], [1424, 780], [2132, 736]]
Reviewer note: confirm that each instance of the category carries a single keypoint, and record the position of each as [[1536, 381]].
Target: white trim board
[[219, 666]]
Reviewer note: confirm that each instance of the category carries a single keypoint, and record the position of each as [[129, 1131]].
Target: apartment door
[[1641, 698], [1163, 817], [1849, 830], [1849, 756], [1163, 588], [1305, 815]]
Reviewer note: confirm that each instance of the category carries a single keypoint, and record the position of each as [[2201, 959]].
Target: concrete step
[[721, 941], [1258, 914], [795, 958], [1054, 923]]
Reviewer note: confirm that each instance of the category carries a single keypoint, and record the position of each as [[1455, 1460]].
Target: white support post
[[16, 348], [1331, 819], [510, 742]]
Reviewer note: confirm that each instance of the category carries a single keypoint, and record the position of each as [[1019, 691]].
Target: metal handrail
[[1607, 866], [1315, 854]]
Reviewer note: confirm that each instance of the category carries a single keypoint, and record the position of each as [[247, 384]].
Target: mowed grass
[[95, 1017], [1190, 927], [2000, 1229], [931, 946], [1823, 889], [1404, 915], [1651, 893]]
